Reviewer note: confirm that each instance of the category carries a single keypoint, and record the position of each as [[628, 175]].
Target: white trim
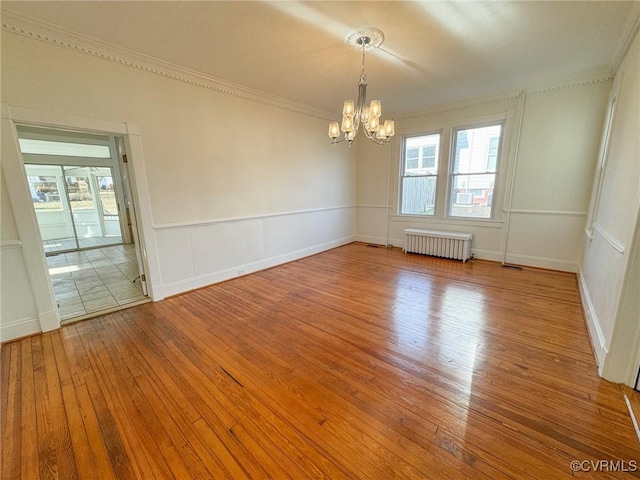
[[633, 416], [542, 262], [32, 117], [459, 105], [548, 212], [32, 249], [200, 281], [537, 88], [54, 35], [596, 336], [617, 245], [482, 254], [202, 223], [376, 240], [630, 30], [143, 213], [364, 205], [19, 328], [11, 244], [447, 221], [589, 233], [544, 87]]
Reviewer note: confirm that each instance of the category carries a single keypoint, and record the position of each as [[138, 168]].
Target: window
[[419, 174], [473, 171], [46, 147]]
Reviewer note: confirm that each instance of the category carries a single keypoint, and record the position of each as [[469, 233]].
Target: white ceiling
[[434, 52]]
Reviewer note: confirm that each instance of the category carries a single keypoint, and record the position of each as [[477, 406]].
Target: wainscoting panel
[[195, 255]]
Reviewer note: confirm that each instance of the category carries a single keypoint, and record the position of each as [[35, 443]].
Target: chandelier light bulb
[[376, 108], [347, 123], [373, 124], [389, 128], [348, 108], [334, 130]]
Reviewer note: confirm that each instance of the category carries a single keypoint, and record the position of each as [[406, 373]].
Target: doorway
[[80, 195]]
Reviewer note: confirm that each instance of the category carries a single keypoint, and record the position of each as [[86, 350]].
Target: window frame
[[451, 175], [403, 175]]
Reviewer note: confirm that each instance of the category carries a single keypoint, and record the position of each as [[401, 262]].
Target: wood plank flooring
[[359, 362]]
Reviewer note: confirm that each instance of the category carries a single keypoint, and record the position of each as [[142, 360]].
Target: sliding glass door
[[76, 206]]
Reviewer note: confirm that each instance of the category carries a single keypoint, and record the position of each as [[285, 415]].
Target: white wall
[[555, 162], [234, 184], [607, 269]]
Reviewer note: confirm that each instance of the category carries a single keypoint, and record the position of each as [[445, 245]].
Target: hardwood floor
[[359, 362]]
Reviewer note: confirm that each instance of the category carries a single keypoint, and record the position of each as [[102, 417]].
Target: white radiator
[[439, 244]]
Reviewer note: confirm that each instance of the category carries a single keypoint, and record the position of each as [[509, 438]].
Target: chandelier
[[354, 115]]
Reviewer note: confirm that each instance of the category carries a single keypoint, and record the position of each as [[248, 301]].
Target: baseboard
[[481, 254], [543, 262], [379, 240], [194, 283], [19, 328], [596, 336]]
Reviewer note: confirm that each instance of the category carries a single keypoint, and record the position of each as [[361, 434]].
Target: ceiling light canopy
[[356, 114]]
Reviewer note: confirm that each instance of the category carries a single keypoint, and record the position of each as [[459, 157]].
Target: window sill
[[447, 221]]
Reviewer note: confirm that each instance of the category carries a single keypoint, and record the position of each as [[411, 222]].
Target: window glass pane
[[79, 189], [107, 197], [418, 195], [44, 192], [412, 158], [47, 147], [429, 146], [477, 149], [472, 195], [429, 156]]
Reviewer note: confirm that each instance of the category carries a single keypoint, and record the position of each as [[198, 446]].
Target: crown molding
[[544, 87], [54, 35], [630, 31], [532, 89], [459, 105]]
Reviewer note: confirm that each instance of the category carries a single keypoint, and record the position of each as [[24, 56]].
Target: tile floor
[[93, 280]]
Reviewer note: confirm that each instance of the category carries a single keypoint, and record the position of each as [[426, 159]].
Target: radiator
[[439, 244]]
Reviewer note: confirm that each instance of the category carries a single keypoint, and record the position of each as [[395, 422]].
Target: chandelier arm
[[375, 139]]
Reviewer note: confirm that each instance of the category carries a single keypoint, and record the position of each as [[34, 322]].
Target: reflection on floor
[[65, 244], [94, 280]]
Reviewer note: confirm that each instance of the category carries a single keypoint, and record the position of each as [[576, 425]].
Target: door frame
[[26, 222]]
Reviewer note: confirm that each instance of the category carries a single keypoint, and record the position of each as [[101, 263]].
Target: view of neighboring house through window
[[473, 172], [419, 174]]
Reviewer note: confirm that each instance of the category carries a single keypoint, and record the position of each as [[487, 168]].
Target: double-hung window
[[419, 174], [473, 171]]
